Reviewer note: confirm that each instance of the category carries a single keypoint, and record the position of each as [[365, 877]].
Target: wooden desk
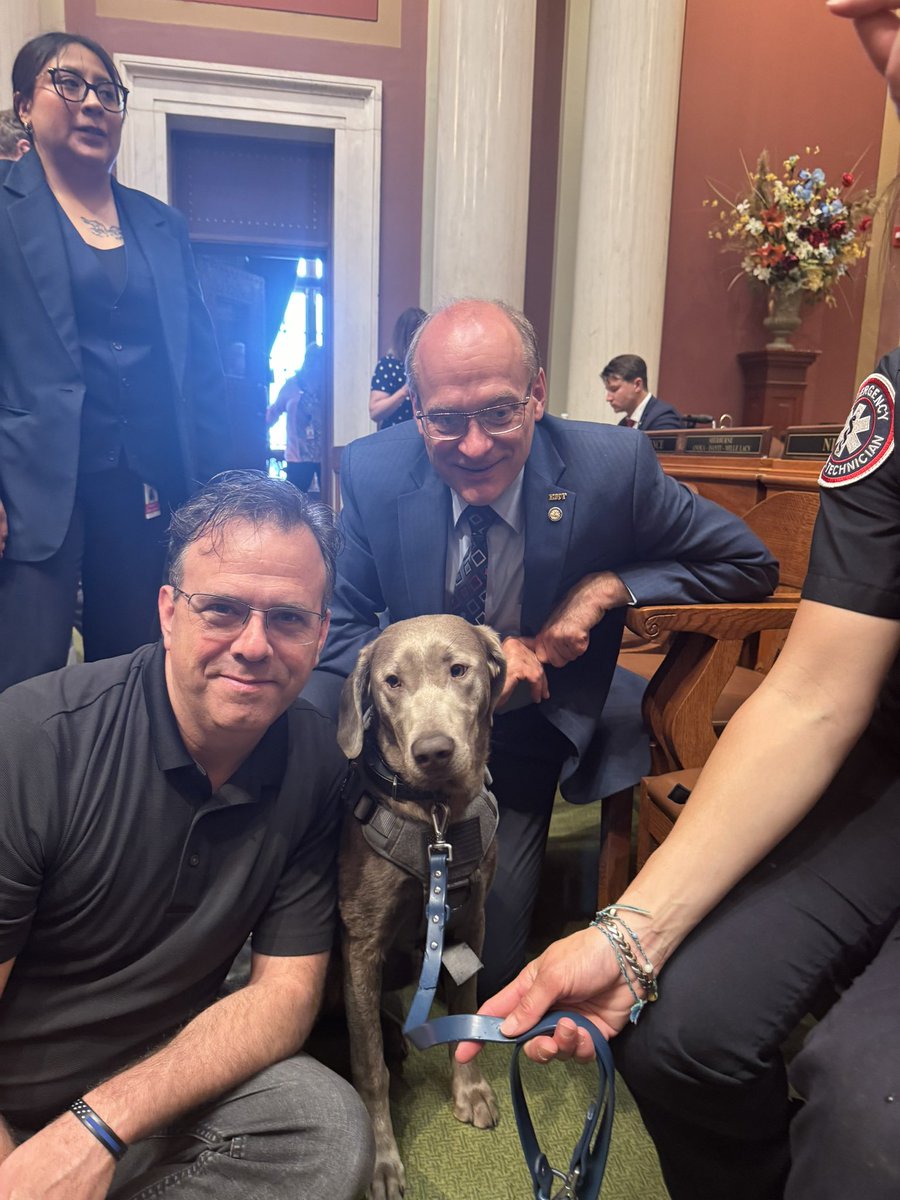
[[740, 483]]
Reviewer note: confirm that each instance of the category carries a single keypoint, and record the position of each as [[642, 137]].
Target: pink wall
[[402, 71], [778, 75]]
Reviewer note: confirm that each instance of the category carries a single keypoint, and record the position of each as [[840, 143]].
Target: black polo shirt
[[126, 886]]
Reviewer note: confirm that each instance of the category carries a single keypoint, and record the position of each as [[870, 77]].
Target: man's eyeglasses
[[224, 617], [74, 87], [495, 421]]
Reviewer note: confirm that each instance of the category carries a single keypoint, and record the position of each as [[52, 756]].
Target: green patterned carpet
[[446, 1160], [449, 1161]]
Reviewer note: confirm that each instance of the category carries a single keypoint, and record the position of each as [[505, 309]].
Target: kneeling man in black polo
[[155, 811]]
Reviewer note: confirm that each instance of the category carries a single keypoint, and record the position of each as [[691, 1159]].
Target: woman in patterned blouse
[[389, 398]]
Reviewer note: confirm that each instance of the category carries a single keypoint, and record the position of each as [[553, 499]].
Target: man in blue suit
[[625, 379], [582, 523]]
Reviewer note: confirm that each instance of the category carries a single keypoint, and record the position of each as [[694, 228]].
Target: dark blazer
[[620, 513], [41, 384], [659, 416]]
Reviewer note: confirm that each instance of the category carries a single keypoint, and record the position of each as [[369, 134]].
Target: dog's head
[[428, 688]]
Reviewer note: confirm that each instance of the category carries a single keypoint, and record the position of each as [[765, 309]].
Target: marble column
[[628, 153], [23, 20], [478, 209]]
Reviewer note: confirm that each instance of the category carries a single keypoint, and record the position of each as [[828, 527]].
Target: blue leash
[[584, 1177]]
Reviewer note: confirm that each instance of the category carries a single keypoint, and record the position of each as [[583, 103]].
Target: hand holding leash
[[584, 1175], [578, 973]]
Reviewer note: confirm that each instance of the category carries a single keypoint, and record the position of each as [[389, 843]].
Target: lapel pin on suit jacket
[[555, 513]]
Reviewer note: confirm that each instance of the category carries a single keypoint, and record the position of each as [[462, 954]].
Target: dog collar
[[374, 770]]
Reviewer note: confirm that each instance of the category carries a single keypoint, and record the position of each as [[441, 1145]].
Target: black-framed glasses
[[74, 88], [496, 420], [224, 616]]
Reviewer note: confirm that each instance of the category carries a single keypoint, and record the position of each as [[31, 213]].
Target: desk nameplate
[[750, 442], [810, 441], [664, 443]]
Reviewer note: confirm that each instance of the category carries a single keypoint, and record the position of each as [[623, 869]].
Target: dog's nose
[[433, 750]]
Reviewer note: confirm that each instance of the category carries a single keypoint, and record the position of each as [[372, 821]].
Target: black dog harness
[[405, 841]]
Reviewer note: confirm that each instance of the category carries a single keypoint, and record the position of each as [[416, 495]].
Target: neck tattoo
[[98, 229]]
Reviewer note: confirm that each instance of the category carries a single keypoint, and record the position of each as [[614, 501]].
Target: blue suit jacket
[[41, 382], [659, 416], [620, 513]]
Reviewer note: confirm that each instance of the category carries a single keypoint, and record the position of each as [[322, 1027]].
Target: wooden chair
[[705, 647]]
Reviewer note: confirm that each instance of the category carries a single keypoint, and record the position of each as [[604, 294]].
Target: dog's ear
[[496, 663], [355, 708]]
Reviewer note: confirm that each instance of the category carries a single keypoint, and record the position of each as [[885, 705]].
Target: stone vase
[[783, 317]]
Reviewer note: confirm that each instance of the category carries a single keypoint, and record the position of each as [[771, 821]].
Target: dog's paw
[[474, 1103], [388, 1179]]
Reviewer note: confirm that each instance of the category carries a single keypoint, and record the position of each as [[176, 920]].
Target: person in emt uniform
[[158, 809], [575, 521]]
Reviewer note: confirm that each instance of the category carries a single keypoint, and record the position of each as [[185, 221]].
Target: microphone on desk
[[692, 420]]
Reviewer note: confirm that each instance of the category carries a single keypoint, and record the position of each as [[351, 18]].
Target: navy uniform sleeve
[[855, 556]]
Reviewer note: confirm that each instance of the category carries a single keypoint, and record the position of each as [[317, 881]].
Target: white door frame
[[166, 87]]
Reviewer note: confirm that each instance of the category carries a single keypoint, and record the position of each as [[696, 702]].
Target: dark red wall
[[778, 75]]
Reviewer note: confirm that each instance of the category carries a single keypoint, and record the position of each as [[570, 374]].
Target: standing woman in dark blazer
[[111, 388]]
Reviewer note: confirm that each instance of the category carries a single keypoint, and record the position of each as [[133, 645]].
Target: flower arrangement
[[796, 232]]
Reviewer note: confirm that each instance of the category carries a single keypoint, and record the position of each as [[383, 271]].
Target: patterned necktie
[[470, 587]]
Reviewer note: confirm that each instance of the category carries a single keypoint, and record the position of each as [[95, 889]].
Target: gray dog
[[415, 718]]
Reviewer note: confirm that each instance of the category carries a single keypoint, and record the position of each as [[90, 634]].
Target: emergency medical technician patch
[[867, 439]]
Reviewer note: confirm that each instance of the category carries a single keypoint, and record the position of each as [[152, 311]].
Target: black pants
[[527, 753], [704, 1063], [119, 556]]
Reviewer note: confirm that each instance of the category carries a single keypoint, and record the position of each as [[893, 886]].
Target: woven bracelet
[[608, 920], [639, 1004]]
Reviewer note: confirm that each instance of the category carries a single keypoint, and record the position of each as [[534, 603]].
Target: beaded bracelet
[[608, 922]]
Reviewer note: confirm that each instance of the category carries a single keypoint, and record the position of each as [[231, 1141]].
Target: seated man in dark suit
[[625, 378], [543, 528]]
